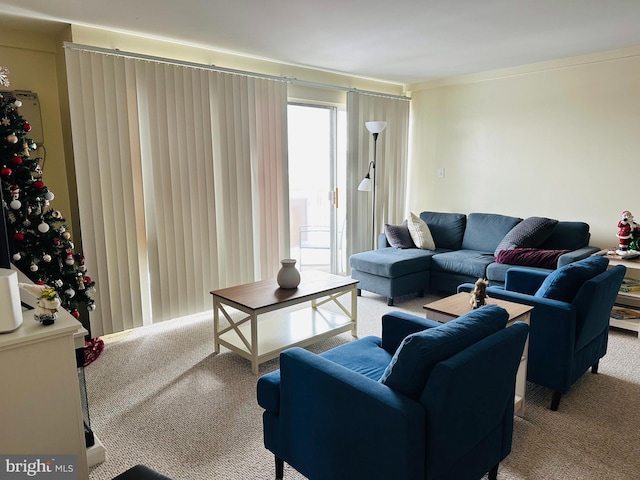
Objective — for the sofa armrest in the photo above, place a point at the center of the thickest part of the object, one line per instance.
(382, 241)
(575, 255)
(398, 325)
(332, 419)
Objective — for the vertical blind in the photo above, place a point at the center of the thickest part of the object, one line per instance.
(182, 181)
(391, 166)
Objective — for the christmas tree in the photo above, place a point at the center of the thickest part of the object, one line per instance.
(39, 240)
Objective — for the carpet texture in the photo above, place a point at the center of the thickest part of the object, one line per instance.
(158, 395)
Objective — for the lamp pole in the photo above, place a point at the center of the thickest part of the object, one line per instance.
(375, 127)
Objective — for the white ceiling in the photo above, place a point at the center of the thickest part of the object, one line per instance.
(399, 41)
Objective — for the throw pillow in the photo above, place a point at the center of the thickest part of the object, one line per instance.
(419, 353)
(531, 257)
(563, 284)
(529, 233)
(398, 236)
(420, 233)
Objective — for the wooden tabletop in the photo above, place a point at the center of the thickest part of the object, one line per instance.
(459, 304)
(265, 293)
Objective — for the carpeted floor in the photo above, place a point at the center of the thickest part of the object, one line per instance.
(159, 396)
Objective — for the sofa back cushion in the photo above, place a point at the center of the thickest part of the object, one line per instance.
(567, 236)
(563, 284)
(420, 352)
(447, 229)
(484, 231)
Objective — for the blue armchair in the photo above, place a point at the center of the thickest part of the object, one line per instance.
(570, 319)
(425, 401)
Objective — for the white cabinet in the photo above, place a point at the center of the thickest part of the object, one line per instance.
(627, 299)
(40, 406)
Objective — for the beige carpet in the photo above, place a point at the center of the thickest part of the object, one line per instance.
(159, 396)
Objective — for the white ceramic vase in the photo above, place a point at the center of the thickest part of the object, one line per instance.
(288, 276)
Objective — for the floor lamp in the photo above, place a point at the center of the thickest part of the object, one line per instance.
(375, 127)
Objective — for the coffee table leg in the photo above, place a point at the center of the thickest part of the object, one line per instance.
(354, 311)
(254, 343)
(216, 325)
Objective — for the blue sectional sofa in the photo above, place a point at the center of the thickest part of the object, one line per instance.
(465, 251)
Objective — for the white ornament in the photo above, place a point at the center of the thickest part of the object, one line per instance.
(15, 204)
(66, 235)
(91, 307)
(43, 227)
(49, 196)
(58, 283)
(33, 267)
(70, 292)
(17, 103)
(12, 138)
(82, 268)
(46, 257)
(17, 256)
(69, 260)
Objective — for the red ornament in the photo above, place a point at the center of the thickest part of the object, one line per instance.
(18, 236)
(75, 313)
(39, 184)
(17, 160)
(87, 279)
(56, 242)
(26, 127)
(5, 172)
(40, 282)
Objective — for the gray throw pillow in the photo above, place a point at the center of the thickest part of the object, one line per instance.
(398, 236)
(529, 233)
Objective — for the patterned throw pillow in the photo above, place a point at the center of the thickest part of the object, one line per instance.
(420, 233)
(398, 236)
(529, 233)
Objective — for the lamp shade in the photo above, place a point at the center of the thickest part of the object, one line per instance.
(365, 184)
(375, 126)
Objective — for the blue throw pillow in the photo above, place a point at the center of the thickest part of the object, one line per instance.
(563, 284)
(419, 353)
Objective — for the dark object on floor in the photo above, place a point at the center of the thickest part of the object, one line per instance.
(92, 350)
(141, 472)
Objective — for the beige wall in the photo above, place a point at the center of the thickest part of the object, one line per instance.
(31, 59)
(560, 139)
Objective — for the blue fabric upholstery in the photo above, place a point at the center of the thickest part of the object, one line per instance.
(563, 283)
(485, 231)
(333, 422)
(420, 352)
(470, 263)
(566, 338)
(447, 229)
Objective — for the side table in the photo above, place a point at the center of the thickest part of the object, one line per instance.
(454, 306)
(627, 299)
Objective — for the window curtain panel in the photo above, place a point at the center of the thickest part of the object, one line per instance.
(181, 175)
(391, 166)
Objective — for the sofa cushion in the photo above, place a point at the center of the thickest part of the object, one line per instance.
(563, 283)
(531, 257)
(530, 232)
(465, 262)
(567, 236)
(398, 236)
(419, 353)
(420, 233)
(447, 229)
(484, 231)
(392, 262)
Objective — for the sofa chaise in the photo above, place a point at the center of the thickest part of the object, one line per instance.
(469, 247)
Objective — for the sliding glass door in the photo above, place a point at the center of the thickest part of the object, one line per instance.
(317, 153)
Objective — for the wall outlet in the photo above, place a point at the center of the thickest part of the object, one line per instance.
(441, 172)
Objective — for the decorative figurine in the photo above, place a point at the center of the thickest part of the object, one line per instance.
(47, 304)
(628, 230)
(479, 294)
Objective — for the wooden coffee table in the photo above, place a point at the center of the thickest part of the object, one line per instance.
(259, 337)
(449, 308)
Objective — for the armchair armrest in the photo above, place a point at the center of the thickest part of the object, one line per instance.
(335, 418)
(398, 325)
(523, 280)
(579, 254)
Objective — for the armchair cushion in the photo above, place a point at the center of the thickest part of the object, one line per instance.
(419, 353)
(563, 284)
